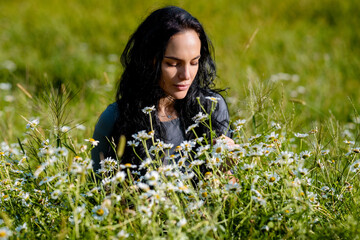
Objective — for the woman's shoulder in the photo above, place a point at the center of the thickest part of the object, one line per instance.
(109, 116)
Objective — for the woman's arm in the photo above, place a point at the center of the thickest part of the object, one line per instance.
(102, 133)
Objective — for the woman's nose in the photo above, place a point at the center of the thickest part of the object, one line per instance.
(185, 73)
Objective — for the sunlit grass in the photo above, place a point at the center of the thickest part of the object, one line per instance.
(292, 71)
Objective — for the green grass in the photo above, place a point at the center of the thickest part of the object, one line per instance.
(73, 48)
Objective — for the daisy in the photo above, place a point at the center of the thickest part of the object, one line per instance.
(100, 212)
(132, 143)
(56, 194)
(5, 233)
(122, 234)
(21, 228)
(92, 141)
(272, 178)
(212, 99)
(119, 177)
(355, 166)
(148, 110)
(32, 124)
(182, 222)
(191, 127)
(200, 117)
(301, 135)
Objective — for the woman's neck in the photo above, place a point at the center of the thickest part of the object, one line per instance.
(166, 109)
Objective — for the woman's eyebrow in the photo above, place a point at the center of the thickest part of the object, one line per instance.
(175, 58)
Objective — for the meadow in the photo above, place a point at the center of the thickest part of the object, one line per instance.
(292, 73)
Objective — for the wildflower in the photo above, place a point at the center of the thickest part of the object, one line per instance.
(21, 161)
(79, 213)
(238, 124)
(145, 210)
(119, 177)
(202, 150)
(61, 151)
(100, 212)
(148, 110)
(349, 142)
(32, 124)
(106, 181)
(312, 197)
(55, 194)
(233, 187)
(301, 135)
(182, 222)
(325, 152)
(286, 157)
(83, 148)
(187, 176)
(195, 205)
(199, 140)
(92, 191)
(275, 125)
(122, 235)
(107, 165)
(80, 127)
(254, 137)
(214, 161)
(191, 127)
(272, 137)
(265, 228)
(355, 150)
(305, 154)
(313, 131)
(127, 165)
(168, 146)
(145, 164)
(248, 167)
(46, 180)
(132, 143)
(213, 99)
(5, 233)
(259, 200)
(182, 162)
(200, 117)
(187, 145)
(5, 86)
(272, 178)
(152, 177)
(303, 171)
(143, 186)
(355, 166)
(39, 169)
(142, 135)
(64, 129)
(113, 197)
(92, 141)
(196, 163)
(182, 187)
(21, 228)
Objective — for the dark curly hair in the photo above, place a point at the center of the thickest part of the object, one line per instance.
(139, 86)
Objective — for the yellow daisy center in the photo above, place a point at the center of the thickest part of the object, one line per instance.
(100, 212)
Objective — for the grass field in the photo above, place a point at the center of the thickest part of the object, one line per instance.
(291, 67)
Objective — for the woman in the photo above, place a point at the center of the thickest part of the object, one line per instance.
(167, 64)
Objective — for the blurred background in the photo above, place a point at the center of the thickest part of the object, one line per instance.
(298, 59)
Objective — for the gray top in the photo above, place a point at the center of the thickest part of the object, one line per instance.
(174, 132)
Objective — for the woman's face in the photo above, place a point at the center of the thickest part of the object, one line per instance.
(180, 64)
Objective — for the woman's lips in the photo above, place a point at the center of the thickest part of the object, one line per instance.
(182, 87)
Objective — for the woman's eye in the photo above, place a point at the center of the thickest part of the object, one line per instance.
(195, 63)
(172, 64)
